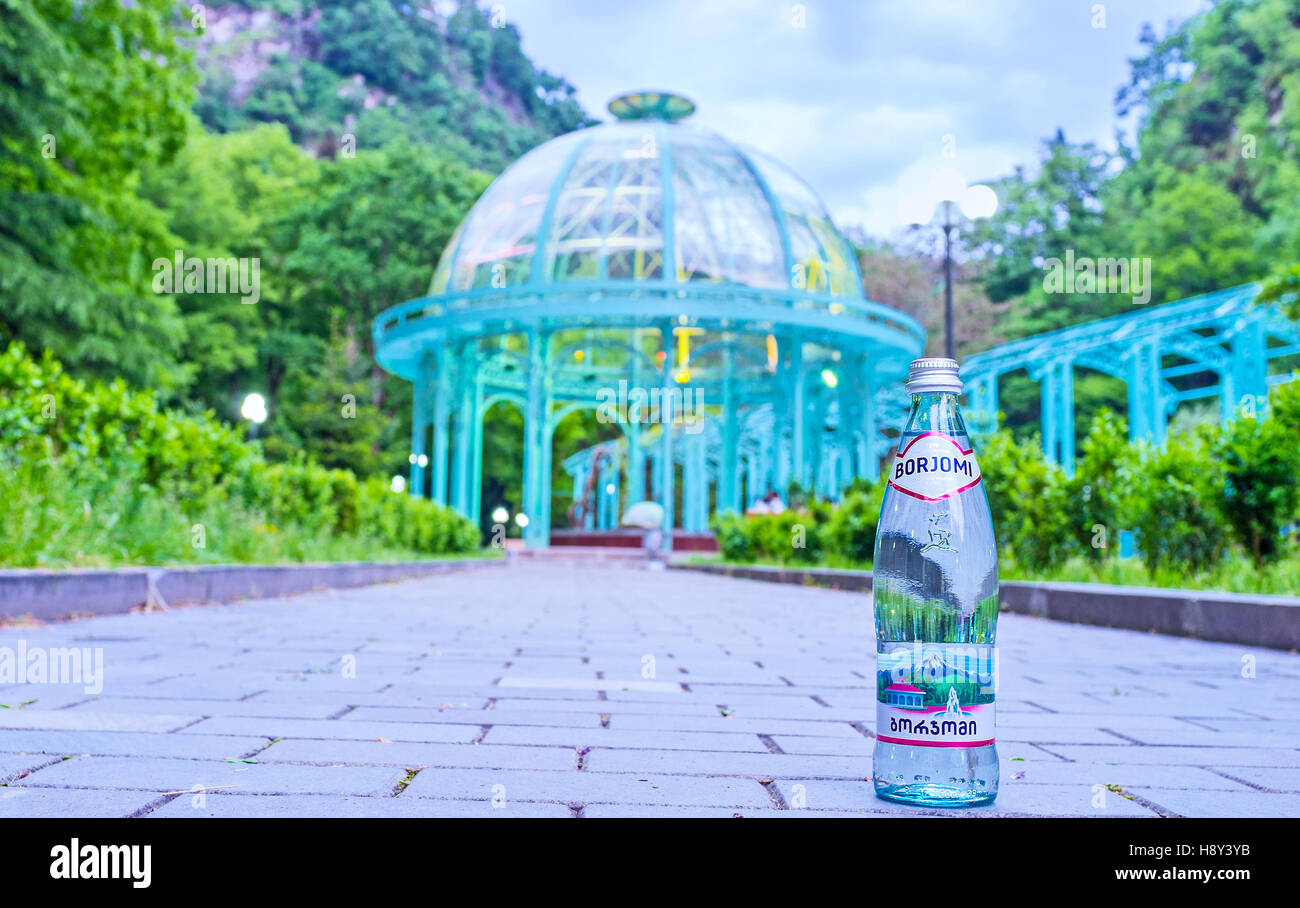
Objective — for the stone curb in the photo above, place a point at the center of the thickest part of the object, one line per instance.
(1245, 618)
(52, 594)
(835, 578)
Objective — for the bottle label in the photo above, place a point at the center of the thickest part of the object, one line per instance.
(933, 467)
(935, 694)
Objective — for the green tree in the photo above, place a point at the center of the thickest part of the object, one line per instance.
(363, 236)
(91, 95)
(1198, 236)
(1259, 460)
(220, 198)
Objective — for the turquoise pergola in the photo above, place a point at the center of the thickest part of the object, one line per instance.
(693, 293)
(1218, 345)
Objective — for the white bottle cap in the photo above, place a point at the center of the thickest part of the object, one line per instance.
(933, 375)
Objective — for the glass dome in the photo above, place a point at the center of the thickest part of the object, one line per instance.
(647, 199)
(629, 269)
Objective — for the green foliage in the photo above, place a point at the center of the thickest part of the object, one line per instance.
(386, 72)
(1190, 504)
(1259, 460)
(1283, 287)
(90, 425)
(1026, 497)
(1172, 511)
(1198, 235)
(734, 540)
(91, 95)
(1040, 215)
(100, 474)
(1095, 496)
(851, 530)
(791, 537)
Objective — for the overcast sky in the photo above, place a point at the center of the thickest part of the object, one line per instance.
(859, 99)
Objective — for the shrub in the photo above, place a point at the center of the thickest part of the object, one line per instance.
(100, 474)
(1028, 499)
(1257, 493)
(1171, 511)
(732, 531)
(851, 530)
(1096, 496)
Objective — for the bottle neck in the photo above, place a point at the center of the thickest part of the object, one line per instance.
(935, 412)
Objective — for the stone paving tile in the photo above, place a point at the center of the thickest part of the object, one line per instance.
(735, 725)
(334, 728)
(807, 744)
(1202, 737)
(15, 766)
(649, 811)
(1250, 726)
(29, 696)
(544, 665)
(204, 708)
(604, 737)
(1126, 776)
(176, 775)
(588, 788)
(220, 804)
(91, 720)
(1027, 800)
(694, 762)
(118, 743)
(72, 802)
(1272, 779)
(1179, 756)
(1223, 803)
(405, 754)
(476, 717)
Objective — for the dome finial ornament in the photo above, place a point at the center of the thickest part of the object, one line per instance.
(652, 105)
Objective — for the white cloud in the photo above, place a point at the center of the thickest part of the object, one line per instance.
(858, 102)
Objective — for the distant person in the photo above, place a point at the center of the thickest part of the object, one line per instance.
(770, 503)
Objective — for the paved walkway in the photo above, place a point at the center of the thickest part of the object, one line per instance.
(564, 690)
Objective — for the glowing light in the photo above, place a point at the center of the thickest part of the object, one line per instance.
(521, 520)
(422, 460)
(500, 515)
(254, 408)
(684, 336)
(610, 488)
(830, 378)
(979, 202)
(398, 484)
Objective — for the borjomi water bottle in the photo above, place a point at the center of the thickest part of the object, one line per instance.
(936, 600)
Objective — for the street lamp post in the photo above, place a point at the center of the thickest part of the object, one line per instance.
(948, 347)
(948, 189)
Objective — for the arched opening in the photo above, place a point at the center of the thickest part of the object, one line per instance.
(1020, 401)
(503, 470)
(577, 431)
(1095, 391)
